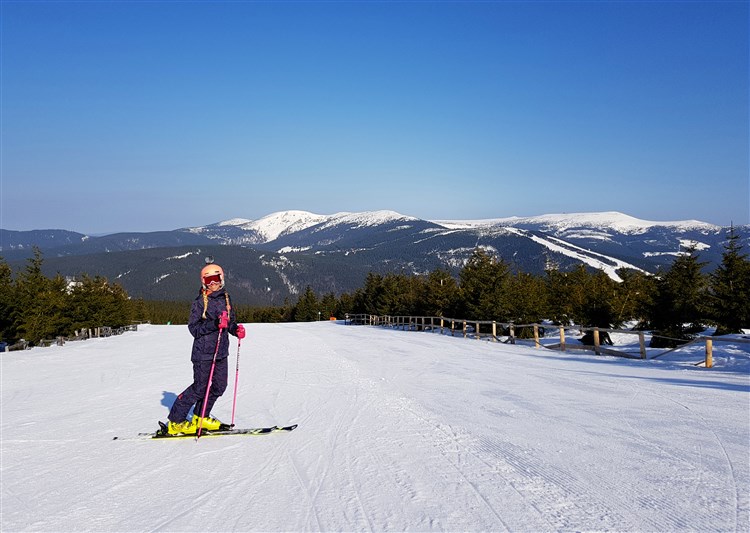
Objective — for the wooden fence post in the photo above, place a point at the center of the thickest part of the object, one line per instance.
(494, 331)
(709, 353)
(642, 343)
(464, 328)
(536, 335)
(512, 333)
(597, 351)
(562, 338)
(477, 331)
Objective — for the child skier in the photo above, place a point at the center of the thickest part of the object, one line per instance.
(211, 315)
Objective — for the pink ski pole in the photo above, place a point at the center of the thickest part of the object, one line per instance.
(236, 379)
(208, 387)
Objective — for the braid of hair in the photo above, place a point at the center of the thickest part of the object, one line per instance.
(205, 302)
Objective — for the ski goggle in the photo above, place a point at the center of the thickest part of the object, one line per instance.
(213, 278)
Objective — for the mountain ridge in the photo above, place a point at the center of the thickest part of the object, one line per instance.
(276, 256)
(280, 222)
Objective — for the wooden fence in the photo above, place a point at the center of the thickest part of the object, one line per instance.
(90, 333)
(507, 332)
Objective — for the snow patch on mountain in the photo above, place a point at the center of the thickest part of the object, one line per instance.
(182, 256)
(235, 222)
(273, 226)
(690, 243)
(608, 265)
(612, 220)
(291, 249)
(279, 264)
(366, 218)
(281, 223)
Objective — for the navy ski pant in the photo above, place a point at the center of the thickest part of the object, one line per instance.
(196, 393)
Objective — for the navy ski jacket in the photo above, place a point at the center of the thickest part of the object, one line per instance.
(206, 331)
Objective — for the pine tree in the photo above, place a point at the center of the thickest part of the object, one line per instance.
(368, 299)
(95, 302)
(41, 311)
(401, 295)
(441, 294)
(596, 307)
(557, 304)
(730, 288)
(634, 296)
(566, 295)
(482, 287)
(7, 303)
(307, 308)
(345, 305)
(527, 298)
(329, 306)
(679, 307)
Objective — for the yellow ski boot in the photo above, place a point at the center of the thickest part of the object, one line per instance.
(209, 424)
(186, 427)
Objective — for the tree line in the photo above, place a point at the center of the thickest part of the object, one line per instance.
(675, 303)
(34, 307)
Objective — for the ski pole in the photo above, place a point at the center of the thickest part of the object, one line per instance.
(236, 379)
(208, 387)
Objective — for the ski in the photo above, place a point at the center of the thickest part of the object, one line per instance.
(162, 434)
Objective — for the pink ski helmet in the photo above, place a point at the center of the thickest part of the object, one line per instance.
(211, 274)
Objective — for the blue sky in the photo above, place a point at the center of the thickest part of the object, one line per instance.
(144, 116)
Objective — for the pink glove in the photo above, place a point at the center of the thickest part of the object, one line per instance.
(240, 331)
(224, 320)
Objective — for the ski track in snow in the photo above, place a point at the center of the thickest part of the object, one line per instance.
(398, 431)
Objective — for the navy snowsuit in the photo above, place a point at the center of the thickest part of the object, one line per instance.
(205, 332)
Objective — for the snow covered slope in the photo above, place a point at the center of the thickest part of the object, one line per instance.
(612, 220)
(397, 431)
(270, 227)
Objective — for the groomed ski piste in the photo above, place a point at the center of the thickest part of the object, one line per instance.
(398, 431)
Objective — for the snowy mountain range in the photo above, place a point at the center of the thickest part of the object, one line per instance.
(278, 255)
